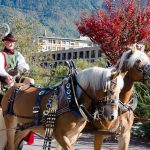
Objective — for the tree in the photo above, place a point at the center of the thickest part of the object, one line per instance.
(116, 26)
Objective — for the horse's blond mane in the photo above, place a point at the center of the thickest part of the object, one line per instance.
(132, 59)
(96, 78)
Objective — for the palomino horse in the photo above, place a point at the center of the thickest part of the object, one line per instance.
(137, 64)
(94, 86)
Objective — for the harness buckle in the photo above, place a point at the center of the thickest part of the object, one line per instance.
(36, 109)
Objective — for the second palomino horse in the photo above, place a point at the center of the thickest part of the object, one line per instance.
(92, 88)
(137, 64)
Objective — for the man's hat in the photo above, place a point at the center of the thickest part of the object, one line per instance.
(9, 37)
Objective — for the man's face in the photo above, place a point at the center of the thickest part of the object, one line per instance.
(9, 44)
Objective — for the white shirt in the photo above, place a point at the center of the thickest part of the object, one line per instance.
(21, 64)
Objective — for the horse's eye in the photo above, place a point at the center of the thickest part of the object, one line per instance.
(111, 92)
(138, 61)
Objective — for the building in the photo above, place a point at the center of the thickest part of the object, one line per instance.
(87, 53)
(56, 50)
(59, 57)
(58, 43)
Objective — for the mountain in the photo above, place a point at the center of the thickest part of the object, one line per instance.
(56, 16)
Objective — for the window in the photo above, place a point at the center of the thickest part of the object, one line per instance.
(99, 53)
(54, 42)
(93, 54)
(72, 43)
(75, 55)
(53, 56)
(50, 41)
(69, 55)
(58, 56)
(87, 54)
(63, 56)
(60, 63)
(81, 55)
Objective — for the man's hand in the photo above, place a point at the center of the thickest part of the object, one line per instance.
(9, 80)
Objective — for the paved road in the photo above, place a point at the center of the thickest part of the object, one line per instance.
(86, 143)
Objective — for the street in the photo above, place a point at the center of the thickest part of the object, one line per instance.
(85, 142)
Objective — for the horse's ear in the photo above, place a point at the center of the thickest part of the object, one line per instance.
(124, 66)
(133, 48)
(142, 48)
(115, 74)
(123, 73)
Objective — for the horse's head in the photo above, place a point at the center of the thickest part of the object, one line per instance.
(102, 87)
(137, 63)
(109, 105)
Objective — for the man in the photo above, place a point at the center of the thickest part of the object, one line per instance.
(11, 62)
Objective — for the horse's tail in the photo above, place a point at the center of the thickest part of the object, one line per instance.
(3, 136)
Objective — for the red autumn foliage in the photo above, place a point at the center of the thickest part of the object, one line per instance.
(119, 25)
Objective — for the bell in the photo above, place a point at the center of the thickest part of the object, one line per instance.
(68, 85)
(48, 105)
(68, 91)
(65, 80)
(45, 112)
(42, 92)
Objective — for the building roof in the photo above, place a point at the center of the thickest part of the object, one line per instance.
(60, 38)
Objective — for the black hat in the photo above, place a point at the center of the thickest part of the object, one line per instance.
(9, 37)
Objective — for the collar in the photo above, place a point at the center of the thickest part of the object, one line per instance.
(8, 51)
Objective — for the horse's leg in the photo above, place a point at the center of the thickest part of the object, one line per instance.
(64, 142)
(73, 140)
(21, 134)
(98, 141)
(124, 140)
(11, 124)
(3, 136)
(58, 146)
(19, 138)
(124, 137)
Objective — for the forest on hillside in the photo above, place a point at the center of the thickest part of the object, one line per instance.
(56, 16)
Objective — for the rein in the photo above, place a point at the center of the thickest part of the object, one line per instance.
(82, 109)
(131, 105)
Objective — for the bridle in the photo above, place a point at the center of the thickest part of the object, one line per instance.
(142, 69)
(106, 100)
(98, 104)
(145, 70)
